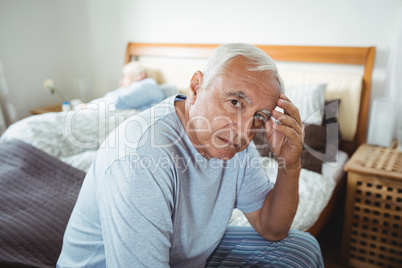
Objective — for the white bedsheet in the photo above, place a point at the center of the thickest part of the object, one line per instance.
(314, 193)
(75, 137)
(335, 169)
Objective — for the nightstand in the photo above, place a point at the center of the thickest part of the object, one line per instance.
(48, 109)
(372, 233)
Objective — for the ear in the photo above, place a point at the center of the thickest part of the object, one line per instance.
(195, 86)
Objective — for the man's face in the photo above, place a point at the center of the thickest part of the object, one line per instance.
(225, 116)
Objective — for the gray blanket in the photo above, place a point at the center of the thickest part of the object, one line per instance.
(37, 195)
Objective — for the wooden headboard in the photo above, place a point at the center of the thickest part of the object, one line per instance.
(363, 56)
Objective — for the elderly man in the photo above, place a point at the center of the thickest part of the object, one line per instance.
(163, 186)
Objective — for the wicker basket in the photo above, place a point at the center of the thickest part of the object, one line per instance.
(372, 235)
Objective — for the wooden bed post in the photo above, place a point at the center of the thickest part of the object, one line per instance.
(361, 133)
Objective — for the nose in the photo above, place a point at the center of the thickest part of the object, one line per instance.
(242, 125)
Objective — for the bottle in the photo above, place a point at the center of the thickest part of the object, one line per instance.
(65, 107)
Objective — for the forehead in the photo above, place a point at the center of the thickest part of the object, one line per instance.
(255, 87)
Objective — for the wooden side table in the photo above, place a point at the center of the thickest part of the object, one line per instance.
(372, 234)
(48, 109)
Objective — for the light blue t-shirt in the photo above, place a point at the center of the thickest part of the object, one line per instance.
(139, 95)
(151, 200)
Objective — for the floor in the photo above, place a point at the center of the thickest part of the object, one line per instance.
(330, 239)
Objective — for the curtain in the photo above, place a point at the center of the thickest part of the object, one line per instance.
(3, 125)
(3, 95)
(393, 83)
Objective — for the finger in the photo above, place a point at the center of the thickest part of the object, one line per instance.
(290, 133)
(276, 141)
(283, 96)
(289, 108)
(270, 132)
(269, 127)
(288, 121)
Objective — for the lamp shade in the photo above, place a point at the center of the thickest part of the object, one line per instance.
(382, 122)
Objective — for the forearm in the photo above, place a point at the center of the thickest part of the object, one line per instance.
(275, 217)
(280, 205)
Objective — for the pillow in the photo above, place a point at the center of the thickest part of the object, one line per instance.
(169, 89)
(331, 112)
(309, 99)
(333, 133)
(314, 148)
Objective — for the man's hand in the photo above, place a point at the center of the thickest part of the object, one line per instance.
(274, 219)
(286, 138)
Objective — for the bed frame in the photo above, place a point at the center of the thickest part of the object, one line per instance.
(363, 56)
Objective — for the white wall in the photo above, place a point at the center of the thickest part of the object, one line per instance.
(86, 39)
(29, 51)
(107, 45)
(286, 22)
(75, 35)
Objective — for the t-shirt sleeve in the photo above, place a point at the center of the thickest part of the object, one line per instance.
(135, 205)
(255, 185)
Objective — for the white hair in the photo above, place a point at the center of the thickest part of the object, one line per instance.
(133, 68)
(257, 58)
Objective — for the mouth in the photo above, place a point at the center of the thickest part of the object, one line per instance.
(229, 143)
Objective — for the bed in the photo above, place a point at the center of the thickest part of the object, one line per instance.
(44, 158)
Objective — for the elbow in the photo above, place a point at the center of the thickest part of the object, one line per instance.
(275, 233)
(274, 237)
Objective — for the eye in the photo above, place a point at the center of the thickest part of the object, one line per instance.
(236, 103)
(259, 117)
(259, 120)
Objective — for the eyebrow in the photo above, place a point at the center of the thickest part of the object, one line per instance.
(267, 113)
(240, 95)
